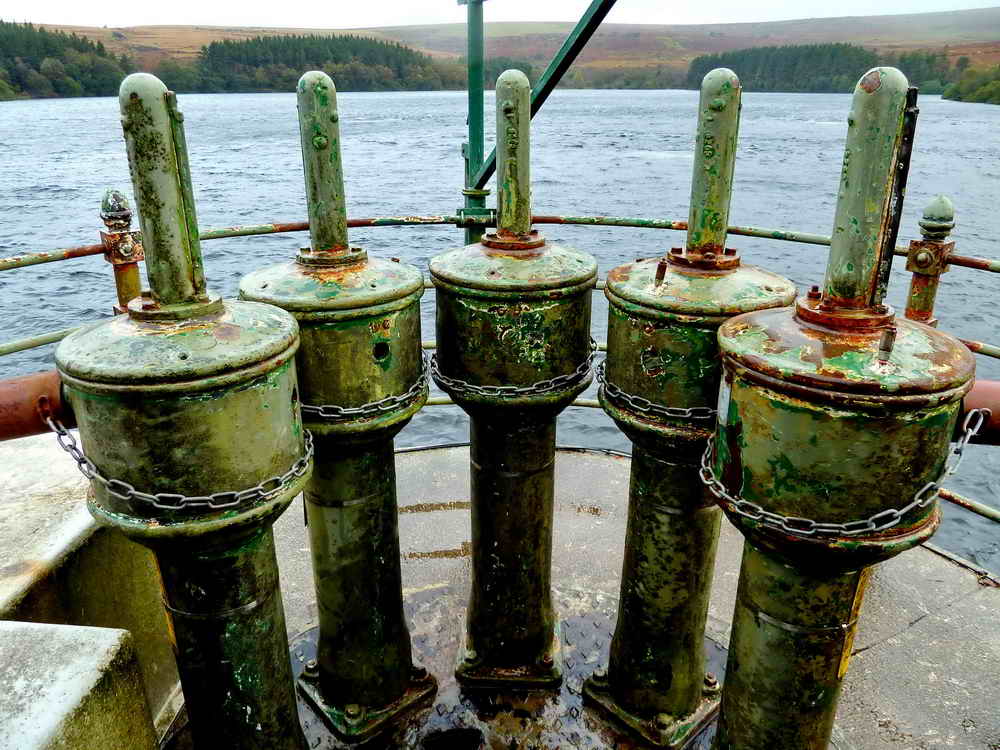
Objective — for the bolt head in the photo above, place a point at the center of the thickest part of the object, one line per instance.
(352, 710)
(662, 722)
(924, 259)
(711, 680)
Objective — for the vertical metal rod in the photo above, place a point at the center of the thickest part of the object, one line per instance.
(319, 130)
(564, 58)
(861, 223)
(475, 198)
(793, 630)
(120, 247)
(513, 154)
(161, 179)
(714, 161)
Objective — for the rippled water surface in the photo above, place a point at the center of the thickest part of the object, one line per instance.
(621, 153)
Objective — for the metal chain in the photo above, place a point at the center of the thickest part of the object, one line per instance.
(644, 405)
(333, 413)
(454, 385)
(172, 501)
(884, 519)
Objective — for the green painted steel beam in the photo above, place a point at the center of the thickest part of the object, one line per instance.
(564, 58)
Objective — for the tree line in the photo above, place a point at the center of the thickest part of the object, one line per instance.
(36, 62)
(274, 63)
(976, 86)
(826, 68)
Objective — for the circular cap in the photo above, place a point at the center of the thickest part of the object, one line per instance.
(126, 351)
(778, 344)
(695, 292)
(308, 288)
(478, 267)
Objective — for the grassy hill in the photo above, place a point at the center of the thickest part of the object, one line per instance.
(972, 33)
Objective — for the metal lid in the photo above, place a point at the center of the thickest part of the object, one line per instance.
(778, 344)
(310, 288)
(549, 267)
(128, 351)
(694, 292)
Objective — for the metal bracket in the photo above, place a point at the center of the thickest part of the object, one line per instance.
(928, 257)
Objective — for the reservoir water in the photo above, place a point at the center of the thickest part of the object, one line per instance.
(614, 153)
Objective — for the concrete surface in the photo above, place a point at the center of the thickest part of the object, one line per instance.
(70, 688)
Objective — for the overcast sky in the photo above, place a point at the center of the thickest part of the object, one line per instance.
(353, 14)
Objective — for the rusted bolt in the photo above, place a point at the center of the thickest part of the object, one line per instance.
(814, 292)
(923, 259)
(352, 711)
(882, 310)
(709, 256)
(711, 681)
(320, 142)
(886, 343)
(661, 271)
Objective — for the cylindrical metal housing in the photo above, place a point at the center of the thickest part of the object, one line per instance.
(513, 333)
(834, 424)
(362, 378)
(660, 386)
(661, 383)
(189, 419)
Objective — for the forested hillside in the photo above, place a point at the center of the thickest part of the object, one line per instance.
(822, 67)
(976, 86)
(36, 62)
(274, 63)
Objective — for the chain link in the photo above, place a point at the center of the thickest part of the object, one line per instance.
(171, 501)
(884, 519)
(333, 413)
(644, 405)
(454, 385)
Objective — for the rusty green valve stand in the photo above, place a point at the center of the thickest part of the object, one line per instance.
(833, 437)
(362, 378)
(513, 333)
(661, 381)
(191, 434)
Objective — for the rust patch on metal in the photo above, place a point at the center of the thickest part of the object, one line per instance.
(432, 507)
(872, 81)
(464, 551)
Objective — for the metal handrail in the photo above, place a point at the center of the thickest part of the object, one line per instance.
(784, 235)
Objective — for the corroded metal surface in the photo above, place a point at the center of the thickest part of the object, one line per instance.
(715, 158)
(195, 398)
(364, 312)
(512, 312)
(474, 719)
(25, 400)
(833, 433)
(874, 130)
(928, 259)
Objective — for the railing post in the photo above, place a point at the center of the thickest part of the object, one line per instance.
(361, 379)
(122, 248)
(661, 384)
(193, 440)
(928, 259)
